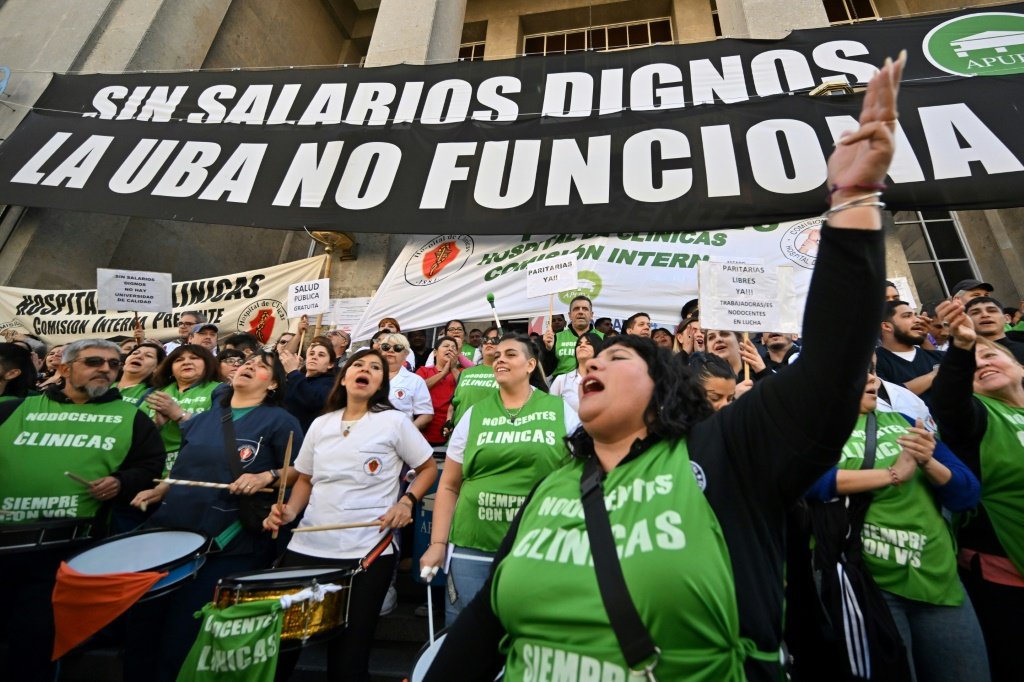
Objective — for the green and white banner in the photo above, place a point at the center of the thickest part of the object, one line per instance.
(449, 276)
(240, 642)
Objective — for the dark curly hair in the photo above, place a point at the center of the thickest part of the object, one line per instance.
(378, 402)
(677, 403)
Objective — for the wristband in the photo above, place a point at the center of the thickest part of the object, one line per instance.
(874, 186)
(275, 475)
(412, 498)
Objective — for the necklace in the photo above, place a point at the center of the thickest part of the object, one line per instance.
(347, 426)
(513, 414)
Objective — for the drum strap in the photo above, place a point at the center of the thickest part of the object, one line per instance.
(635, 641)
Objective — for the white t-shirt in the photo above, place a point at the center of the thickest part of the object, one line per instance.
(355, 478)
(409, 394)
(905, 402)
(567, 387)
(457, 442)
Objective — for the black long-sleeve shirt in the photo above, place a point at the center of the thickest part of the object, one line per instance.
(962, 420)
(758, 455)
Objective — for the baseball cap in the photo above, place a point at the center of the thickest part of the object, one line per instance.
(968, 284)
(204, 326)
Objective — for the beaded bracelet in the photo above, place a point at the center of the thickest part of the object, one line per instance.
(877, 186)
(895, 478)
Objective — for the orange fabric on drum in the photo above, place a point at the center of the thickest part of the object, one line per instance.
(84, 604)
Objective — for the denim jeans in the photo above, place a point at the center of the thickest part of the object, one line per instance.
(944, 643)
(467, 573)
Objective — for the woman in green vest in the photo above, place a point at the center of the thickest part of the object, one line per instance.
(696, 501)
(136, 382)
(978, 403)
(907, 545)
(504, 444)
(185, 382)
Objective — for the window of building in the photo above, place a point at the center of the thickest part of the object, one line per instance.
(601, 38)
(471, 52)
(936, 251)
(850, 11)
(714, 18)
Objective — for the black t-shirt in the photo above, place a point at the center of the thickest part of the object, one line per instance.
(892, 367)
(1015, 347)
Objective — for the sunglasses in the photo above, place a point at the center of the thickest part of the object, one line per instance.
(99, 362)
(397, 347)
(491, 340)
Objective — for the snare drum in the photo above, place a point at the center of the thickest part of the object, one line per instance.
(27, 537)
(301, 620)
(180, 553)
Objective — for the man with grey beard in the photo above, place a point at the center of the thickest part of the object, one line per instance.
(84, 428)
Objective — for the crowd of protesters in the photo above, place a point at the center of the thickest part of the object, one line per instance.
(907, 427)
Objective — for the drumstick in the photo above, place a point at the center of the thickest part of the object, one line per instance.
(284, 476)
(337, 526)
(746, 366)
(204, 484)
(78, 479)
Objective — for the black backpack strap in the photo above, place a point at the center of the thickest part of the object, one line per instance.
(870, 441)
(637, 646)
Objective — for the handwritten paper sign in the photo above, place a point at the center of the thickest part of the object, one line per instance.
(309, 298)
(550, 276)
(133, 290)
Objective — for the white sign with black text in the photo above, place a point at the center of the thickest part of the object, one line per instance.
(551, 276)
(748, 297)
(133, 290)
(309, 298)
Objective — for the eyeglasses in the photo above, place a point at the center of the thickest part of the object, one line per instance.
(183, 323)
(232, 361)
(491, 340)
(455, 329)
(397, 347)
(95, 361)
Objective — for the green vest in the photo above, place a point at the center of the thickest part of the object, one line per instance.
(194, 399)
(674, 560)
(565, 349)
(908, 546)
(475, 384)
(44, 438)
(1002, 475)
(502, 463)
(134, 396)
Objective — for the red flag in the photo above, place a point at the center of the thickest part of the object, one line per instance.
(84, 604)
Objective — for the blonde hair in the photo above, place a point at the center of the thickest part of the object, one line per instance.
(394, 339)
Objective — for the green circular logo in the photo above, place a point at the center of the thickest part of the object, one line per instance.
(589, 286)
(984, 44)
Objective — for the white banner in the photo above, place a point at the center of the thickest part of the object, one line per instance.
(346, 312)
(449, 276)
(252, 301)
(748, 297)
(551, 276)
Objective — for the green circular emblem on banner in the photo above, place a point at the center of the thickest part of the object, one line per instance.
(984, 44)
(589, 286)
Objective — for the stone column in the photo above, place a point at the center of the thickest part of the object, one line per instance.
(416, 32)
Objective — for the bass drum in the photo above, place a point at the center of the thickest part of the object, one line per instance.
(180, 553)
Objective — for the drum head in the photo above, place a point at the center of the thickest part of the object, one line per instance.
(298, 574)
(426, 658)
(136, 552)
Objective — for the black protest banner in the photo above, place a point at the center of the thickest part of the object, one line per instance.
(706, 136)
